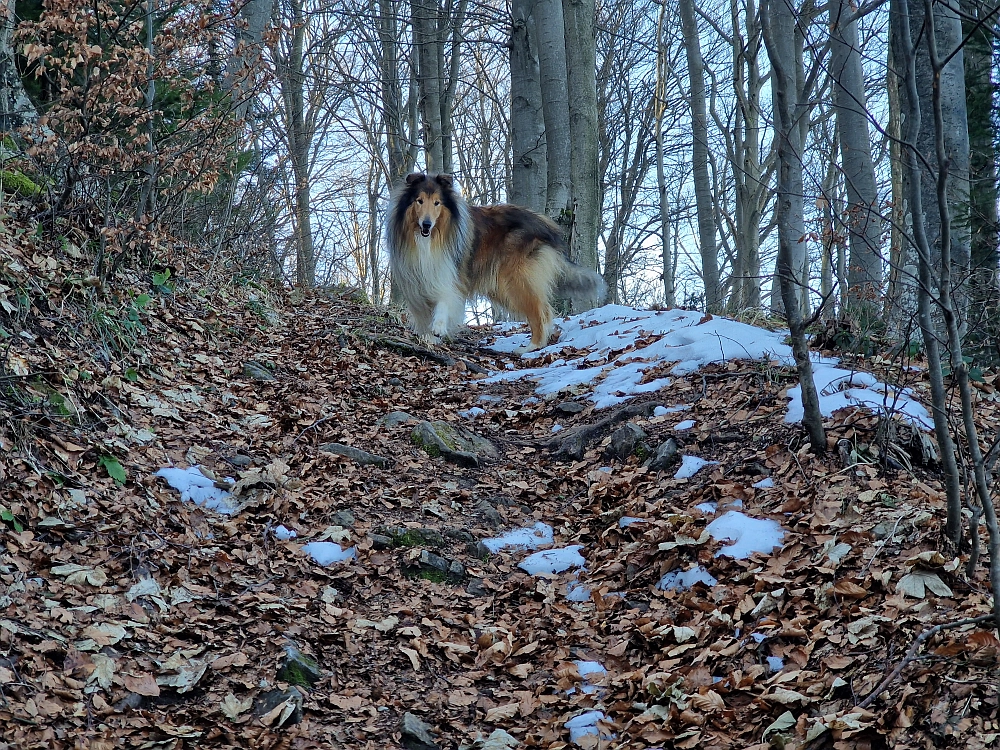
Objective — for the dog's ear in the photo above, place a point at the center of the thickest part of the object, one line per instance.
(446, 181)
(414, 177)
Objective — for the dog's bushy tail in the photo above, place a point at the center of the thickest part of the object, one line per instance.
(581, 286)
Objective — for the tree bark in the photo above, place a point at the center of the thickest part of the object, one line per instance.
(863, 221)
(581, 66)
(783, 59)
(16, 108)
(699, 159)
(457, 22)
(555, 109)
(246, 54)
(429, 57)
(391, 91)
(528, 170)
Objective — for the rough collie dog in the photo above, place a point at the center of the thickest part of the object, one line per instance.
(443, 252)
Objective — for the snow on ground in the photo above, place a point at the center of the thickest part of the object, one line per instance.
(764, 484)
(283, 534)
(611, 363)
(625, 521)
(589, 671)
(553, 560)
(748, 535)
(196, 488)
(687, 424)
(532, 537)
(584, 724)
(328, 553)
(678, 580)
(691, 465)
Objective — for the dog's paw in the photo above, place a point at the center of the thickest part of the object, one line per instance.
(429, 339)
(439, 328)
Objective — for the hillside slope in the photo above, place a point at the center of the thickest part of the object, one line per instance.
(129, 617)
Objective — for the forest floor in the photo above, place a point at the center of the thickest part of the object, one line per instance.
(131, 618)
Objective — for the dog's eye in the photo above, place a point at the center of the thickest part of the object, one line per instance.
(420, 201)
(437, 203)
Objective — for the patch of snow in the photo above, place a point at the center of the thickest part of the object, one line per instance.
(586, 669)
(625, 521)
(613, 365)
(678, 580)
(687, 424)
(577, 592)
(553, 560)
(196, 488)
(487, 398)
(328, 553)
(605, 469)
(472, 413)
(748, 535)
(775, 663)
(758, 637)
(531, 537)
(690, 466)
(707, 508)
(585, 724)
(284, 534)
(764, 484)
(557, 427)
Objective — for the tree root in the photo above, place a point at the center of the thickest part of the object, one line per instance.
(573, 442)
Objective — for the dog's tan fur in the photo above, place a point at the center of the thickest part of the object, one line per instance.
(443, 252)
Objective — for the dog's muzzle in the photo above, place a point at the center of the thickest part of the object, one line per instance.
(425, 229)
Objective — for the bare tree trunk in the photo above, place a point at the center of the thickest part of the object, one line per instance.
(528, 172)
(457, 21)
(699, 158)
(581, 66)
(16, 108)
(660, 103)
(246, 54)
(555, 109)
(788, 52)
(898, 284)
(863, 221)
(906, 59)
(748, 175)
(782, 56)
(291, 78)
(393, 115)
(427, 43)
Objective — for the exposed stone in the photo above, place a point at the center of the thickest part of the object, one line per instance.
(355, 454)
(476, 588)
(380, 541)
(430, 560)
(240, 460)
(416, 734)
(456, 444)
(489, 514)
(299, 669)
(291, 697)
(626, 440)
(459, 535)
(343, 518)
(570, 407)
(666, 455)
(396, 418)
(395, 381)
(256, 371)
(418, 537)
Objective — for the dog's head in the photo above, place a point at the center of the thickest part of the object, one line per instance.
(429, 199)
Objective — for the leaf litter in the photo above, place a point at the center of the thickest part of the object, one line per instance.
(129, 617)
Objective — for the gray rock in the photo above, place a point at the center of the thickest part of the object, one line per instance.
(489, 514)
(416, 734)
(455, 444)
(240, 460)
(570, 407)
(476, 588)
(666, 455)
(459, 535)
(343, 518)
(299, 669)
(380, 541)
(430, 560)
(267, 702)
(256, 371)
(395, 381)
(626, 440)
(355, 454)
(456, 569)
(396, 418)
(419, 537)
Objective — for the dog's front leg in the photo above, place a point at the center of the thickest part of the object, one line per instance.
(444, 312)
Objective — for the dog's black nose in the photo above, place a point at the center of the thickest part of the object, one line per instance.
(427, 226)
